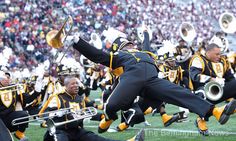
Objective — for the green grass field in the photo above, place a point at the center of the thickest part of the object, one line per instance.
(157, 132)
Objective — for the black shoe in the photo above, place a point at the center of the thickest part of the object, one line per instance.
(182, 117)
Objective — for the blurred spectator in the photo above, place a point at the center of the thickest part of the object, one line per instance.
(24, 24)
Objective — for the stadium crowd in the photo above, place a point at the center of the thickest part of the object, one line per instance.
(24, 24)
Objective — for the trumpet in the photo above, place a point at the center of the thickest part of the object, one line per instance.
(81, 114)
(41, 116)
(227, 22)
(12, 88)
(213, 91)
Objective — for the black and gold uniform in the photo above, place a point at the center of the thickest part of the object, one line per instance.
(202, 70)
(74, 130)
(9, 102)
(207, 67)
(172, 74)
(140, 73)
(142, 107)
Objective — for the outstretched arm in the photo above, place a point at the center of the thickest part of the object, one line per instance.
(92, 53)
(146, 42)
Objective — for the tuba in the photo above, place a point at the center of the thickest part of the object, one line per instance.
(213, 91)
(187, 31)
(227, 22)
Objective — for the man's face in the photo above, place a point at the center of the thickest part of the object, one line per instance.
(214, 55)
(73, 86)
(5, 82)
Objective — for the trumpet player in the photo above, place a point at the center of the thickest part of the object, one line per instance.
(211, 66)
(11, 105)
(74, 130)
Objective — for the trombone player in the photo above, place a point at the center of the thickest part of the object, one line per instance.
(211, 67)
(74, 130)
(11, 102)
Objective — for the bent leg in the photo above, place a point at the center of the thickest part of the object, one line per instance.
(166, 91)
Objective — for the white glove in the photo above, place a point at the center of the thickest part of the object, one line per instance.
(178, 57)
(38, 84)
(219, 80)
(56, 114)
(70, 40)
(161, 75)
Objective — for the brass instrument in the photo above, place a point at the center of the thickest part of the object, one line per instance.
(12, 88)
(81, 114)
(227, 22)
(213, 91)
(187, 31)
(54, 37)
(41, 116)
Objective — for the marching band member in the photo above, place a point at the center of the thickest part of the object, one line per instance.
(11, 106)
(74, 130)
(211, 67)
(140, 73)
(142, 106)
(174, 73)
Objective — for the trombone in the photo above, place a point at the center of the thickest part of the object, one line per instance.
(12, 88)
(55, 38)
(41, 116)
(81, 114)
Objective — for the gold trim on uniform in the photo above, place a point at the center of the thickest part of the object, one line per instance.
(6, 98)
(75, 107)
(172, 75)
(111, 60)
(118, 71)
(218, 69)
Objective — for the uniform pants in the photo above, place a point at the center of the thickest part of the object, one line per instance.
(13, 115)
(74, 135)
(142, 77)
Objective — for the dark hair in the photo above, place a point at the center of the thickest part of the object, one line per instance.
(68, 79)
(211, 46)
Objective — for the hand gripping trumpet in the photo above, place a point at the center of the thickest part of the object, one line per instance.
(80, 114)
